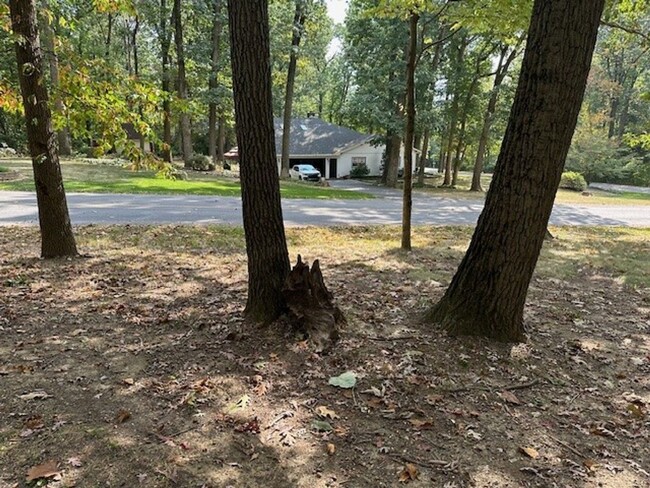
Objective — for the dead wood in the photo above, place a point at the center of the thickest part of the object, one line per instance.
(311, 307)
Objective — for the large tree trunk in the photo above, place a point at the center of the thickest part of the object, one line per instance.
(487, 295)
(165, 45)
(213, 116)
(185, 124)
(423, 156)
(57, 238)
(298, 24)
(266, 245)
(407, 203)
(62, 135)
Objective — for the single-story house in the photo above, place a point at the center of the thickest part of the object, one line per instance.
(134, 136)
(331, 149)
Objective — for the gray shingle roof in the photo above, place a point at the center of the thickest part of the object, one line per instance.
(313, 136)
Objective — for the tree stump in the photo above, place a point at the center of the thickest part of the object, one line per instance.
(311, 307)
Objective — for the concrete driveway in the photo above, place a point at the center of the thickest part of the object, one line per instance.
(85, 208)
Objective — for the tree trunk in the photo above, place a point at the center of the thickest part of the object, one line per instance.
(221, 139)
(57, 238)
(165, 44)
(298, 24)
(266, 245)
(487, 295)
(107, 43)
(62, 135)
(392, 160)
(185, 124)
(423, 156)
(407, 203)
(213, 83)
(451, 137)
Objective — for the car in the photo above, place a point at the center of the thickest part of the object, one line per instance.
(304, 172)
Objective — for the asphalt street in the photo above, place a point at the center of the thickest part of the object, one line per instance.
(85, 208)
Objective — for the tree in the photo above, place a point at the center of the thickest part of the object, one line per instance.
(215, 134)
(57, 238)
(186, 128)
(407, 204)
(487, 295)
(165, 44)
(266, 245)
(298, 25)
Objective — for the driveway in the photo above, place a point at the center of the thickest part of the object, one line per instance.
(86, 208)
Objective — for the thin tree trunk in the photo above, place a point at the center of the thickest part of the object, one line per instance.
(451, 137)
(109, 35)
(185, 124)
(165, 45)
(407, 203)
(213, 116)
(221, 139)
(487, 295)
(62, 135)
(298, 24)
(266, 245)
(423, 156)
(57, 238)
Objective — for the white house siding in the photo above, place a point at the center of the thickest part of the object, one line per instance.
(371, 153)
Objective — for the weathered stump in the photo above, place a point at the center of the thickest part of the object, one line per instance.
(311, 306)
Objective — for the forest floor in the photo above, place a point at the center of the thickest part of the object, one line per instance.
(132, 367)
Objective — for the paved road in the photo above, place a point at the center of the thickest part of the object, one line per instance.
(20, 208)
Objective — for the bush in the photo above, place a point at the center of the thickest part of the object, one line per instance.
(359, 170)
(199, 162)
(573, 181)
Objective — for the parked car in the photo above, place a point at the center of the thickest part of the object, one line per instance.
(304, 172)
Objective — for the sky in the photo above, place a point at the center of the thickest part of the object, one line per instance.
(336, 9)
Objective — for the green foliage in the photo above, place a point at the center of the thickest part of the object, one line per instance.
(359, 171)
(200, 162)
(573, 181)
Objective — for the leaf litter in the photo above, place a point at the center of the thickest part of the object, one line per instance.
(150, 325)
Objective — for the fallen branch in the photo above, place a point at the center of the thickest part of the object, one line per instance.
(432, 464)
(567, 446)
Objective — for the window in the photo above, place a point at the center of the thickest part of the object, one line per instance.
(358, 161)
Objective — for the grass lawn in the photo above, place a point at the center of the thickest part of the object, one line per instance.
(596, 197)
(133, 366)
(93, 177)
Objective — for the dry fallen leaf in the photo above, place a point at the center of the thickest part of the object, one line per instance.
(530, 452)
(590, 464)
(35, 395)
(510, 397)
(326, 413)
(421, 424)
(45, 470)
(34, 422)
(75, 462)
(409, 473)
(122, 416)
(128, 381)
(331, 448)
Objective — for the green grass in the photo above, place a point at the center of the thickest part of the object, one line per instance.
(4, 169)
(92, 177)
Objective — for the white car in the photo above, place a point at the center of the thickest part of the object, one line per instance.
(304, 172)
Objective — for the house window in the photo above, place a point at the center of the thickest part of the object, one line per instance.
(358, 161)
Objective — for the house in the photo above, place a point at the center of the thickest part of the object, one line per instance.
(332, 149)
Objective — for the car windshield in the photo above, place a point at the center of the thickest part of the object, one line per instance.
(306, 167)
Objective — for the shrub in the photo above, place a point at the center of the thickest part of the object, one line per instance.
(359, 171)
(200, 162)
(4, 170)
(573, 181)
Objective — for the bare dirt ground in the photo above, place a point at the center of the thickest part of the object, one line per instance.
(132, 367)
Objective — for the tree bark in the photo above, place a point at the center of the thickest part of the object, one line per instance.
(266, 245)
(213, 84)
(62, 135)
(298, 25)
(487, 295)
(423, 156)
(407, 201)
(185, 124)
(165, 45)
(57, 238)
